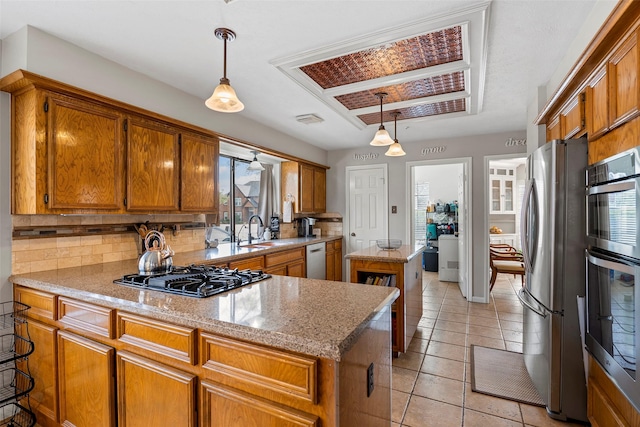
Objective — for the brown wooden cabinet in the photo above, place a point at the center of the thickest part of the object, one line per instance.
(250, 263)
(334, 260)
(43, 365)
(154, 394)
(153, 158)
(67, 154)
(597, 104)
(286, 263)
(624, 90)
(307, 184)
(87, 382)
(553, 129)
(572, 122)
(198, 173)
(407, 309)
(78, 152)
(606, 405)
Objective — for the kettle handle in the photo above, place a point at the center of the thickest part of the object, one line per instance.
(154, 234)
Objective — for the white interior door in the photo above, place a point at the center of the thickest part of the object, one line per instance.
(462, 232)
(367, 205)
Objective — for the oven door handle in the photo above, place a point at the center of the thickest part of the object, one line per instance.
(600, 261)
(540, 311)
(615, 187)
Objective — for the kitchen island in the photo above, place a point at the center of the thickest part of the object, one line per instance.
(284, 351)
(400, 268)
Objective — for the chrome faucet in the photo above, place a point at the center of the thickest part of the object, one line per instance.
(249, 225)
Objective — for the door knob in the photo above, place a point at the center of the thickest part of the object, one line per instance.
(353, 234)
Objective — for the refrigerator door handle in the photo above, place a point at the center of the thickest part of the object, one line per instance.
(540, 311)
(524, 224)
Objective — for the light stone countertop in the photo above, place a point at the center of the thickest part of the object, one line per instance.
(403, 254)
(226, 252)
(315, 317)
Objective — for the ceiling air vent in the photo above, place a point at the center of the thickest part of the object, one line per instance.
(309, 118)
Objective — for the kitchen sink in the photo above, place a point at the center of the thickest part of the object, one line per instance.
(263, 245)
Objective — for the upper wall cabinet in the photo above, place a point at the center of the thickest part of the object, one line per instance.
(307, 184)
(597, 104)
(623, 82)
(153, 159)
(77, 152)
(67, 155)
(572, 123)
(198, 172)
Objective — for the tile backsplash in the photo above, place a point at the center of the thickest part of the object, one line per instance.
(50, 253)
(31, 255)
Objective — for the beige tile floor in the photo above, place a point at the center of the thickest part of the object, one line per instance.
(431, 381)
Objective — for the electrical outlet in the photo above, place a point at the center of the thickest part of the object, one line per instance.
(370, 380)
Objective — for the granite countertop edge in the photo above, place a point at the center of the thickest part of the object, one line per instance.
(332, 349)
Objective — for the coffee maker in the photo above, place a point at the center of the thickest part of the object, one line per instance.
(305, 228)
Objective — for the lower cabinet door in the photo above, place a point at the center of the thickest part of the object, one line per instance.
(153, 394)
(41, 364)
(296, 269)
(223, 406)
(87, 382)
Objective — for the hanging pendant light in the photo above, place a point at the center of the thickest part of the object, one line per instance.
(381, 137)
(224, 98)
(255, 164)
(395, 149)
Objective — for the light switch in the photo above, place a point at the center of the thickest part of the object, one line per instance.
(394, 209)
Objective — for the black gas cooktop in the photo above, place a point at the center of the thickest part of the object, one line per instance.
(199, 281)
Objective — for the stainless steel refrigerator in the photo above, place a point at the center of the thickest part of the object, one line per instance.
(553, 244)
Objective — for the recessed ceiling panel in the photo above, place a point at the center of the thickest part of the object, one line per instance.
(417, 111)
(426, 50)
(437, 85)
(430, 67)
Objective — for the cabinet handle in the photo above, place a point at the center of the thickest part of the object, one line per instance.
(353, 234)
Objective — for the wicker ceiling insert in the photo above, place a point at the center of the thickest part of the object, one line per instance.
(427, 50)
(431, 86)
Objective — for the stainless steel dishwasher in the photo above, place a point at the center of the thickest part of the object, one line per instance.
(316, 261)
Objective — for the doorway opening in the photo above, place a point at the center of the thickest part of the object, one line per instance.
(505, 179)
(440, 217)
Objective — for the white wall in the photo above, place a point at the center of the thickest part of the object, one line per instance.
(476, 147)
(600, 12)
(57, 59)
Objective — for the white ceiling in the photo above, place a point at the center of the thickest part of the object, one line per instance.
(173, 41)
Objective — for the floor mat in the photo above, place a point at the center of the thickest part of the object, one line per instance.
(502, 374)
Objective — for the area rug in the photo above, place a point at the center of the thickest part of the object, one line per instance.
(502, 374)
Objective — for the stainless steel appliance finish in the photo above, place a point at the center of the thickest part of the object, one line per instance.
(316, 261)
(612, 303)
(305, 228)
(553, 242)
(613, 204)
(199, 281)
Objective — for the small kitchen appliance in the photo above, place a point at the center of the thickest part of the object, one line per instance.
(199, 281)
(305, 229)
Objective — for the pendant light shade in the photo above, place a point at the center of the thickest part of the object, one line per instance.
(224, 98)
(255, 164)
(381, 137)
(395, 149)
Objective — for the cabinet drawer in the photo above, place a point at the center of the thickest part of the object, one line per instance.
(86, 317)
(225, 406)
(173, 341)
(284, 257)
(43, 305)
(260, 368)
(251, 263)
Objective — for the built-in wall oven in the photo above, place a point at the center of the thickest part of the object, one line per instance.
(612, 267)
(613, 204)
